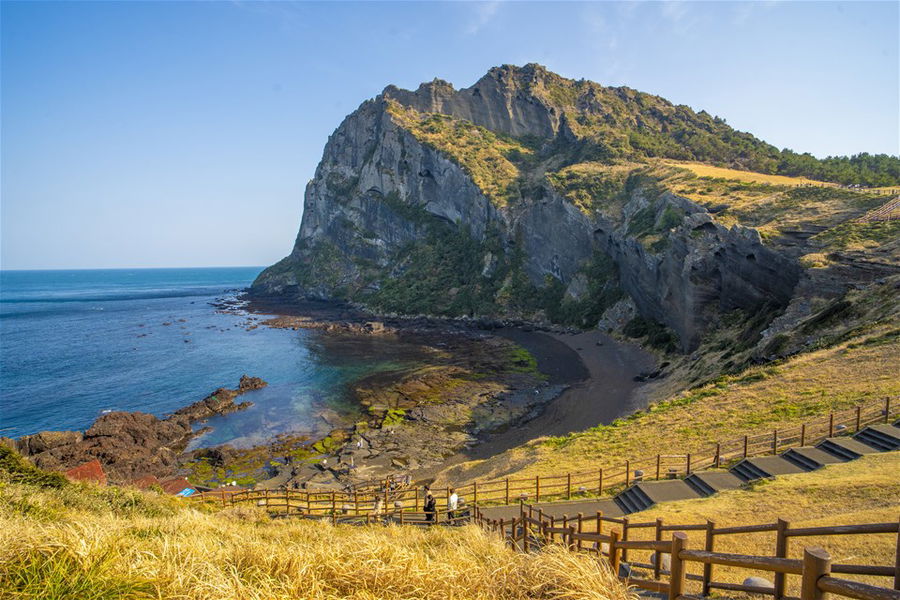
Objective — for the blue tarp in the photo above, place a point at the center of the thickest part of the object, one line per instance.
(186, 492)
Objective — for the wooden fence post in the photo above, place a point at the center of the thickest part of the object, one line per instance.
(503, 529)
(474, 491)
(897, 564)
(627, 473)
(657, 466)
(718, 454)
(774, 441)
(657, 554)
(858, 415)
(707, 568)
(580, 528)
(831, 425)
(781, 547)
(568, 486)
(676, 577)
(613, 552)
(816, 564)
(746, 439)
(599, 524)
(802, 435)
(687, 469)
(571, 539)
(887, 409)
(625, 538)
(537, 488)
(507, 490)
(600, 483)
(552, 525)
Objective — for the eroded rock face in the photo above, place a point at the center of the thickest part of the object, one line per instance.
(703, 268)
(376, 179)
(131, 444)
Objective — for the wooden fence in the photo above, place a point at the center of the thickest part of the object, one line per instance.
(532, 529)
(584, 484)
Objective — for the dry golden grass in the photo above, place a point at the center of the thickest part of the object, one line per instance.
(54, 549)
(753, 402)
(704, 170)
(862, 491)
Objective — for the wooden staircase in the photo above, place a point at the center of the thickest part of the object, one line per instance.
(873, 439)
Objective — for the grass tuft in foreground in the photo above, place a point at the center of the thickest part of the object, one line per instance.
(78, 542)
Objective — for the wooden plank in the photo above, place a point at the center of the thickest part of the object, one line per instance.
(737, 587)
(863, 570)
(844, 529)
(683, 528)
(649, 584)
(763, 563)
(746, 529)
(855, 589)
(592, 537)
(662, 546)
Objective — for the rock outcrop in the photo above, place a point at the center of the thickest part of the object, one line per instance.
(395, 199)
(131, 444)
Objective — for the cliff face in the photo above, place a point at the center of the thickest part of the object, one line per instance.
(439, 201)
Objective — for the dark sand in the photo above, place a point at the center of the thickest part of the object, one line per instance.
(601, 380)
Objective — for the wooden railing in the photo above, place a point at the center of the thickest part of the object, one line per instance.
(888, 211)
(583, 484)
(532, 529)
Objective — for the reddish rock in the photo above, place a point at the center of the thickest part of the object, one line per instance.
(89, 471)
(173, 486)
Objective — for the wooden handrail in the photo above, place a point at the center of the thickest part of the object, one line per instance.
(763, 563)
(855, 589)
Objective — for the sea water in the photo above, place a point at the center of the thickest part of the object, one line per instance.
(76, 344)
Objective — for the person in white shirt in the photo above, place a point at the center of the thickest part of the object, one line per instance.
(452, 505)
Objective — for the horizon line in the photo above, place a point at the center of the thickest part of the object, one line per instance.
(5, 270)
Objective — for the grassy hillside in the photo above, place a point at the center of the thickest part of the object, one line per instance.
(754, 401)
(619, 122)
(64, 541)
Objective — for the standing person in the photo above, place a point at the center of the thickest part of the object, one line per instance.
(430, 508)
(452, 505)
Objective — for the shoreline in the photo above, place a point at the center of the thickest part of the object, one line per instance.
(595, 377)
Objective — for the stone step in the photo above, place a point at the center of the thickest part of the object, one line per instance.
(810, 457)
(881, 437)
(646, 494)
(633, 499)
(775, 465)
(747, 471)
(707, 483)
(846, 448)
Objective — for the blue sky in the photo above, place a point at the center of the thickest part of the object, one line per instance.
(145, 134)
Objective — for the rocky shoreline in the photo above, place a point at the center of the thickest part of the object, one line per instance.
(477, 390)
(131, 445)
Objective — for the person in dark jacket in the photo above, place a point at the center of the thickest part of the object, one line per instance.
(430, 508)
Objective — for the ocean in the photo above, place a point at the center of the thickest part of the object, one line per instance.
(75, 344)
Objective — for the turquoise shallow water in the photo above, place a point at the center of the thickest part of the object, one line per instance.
(76, 343)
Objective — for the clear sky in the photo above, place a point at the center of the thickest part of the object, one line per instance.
(141, 134)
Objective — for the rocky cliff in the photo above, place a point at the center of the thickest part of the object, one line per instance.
(526, 194)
